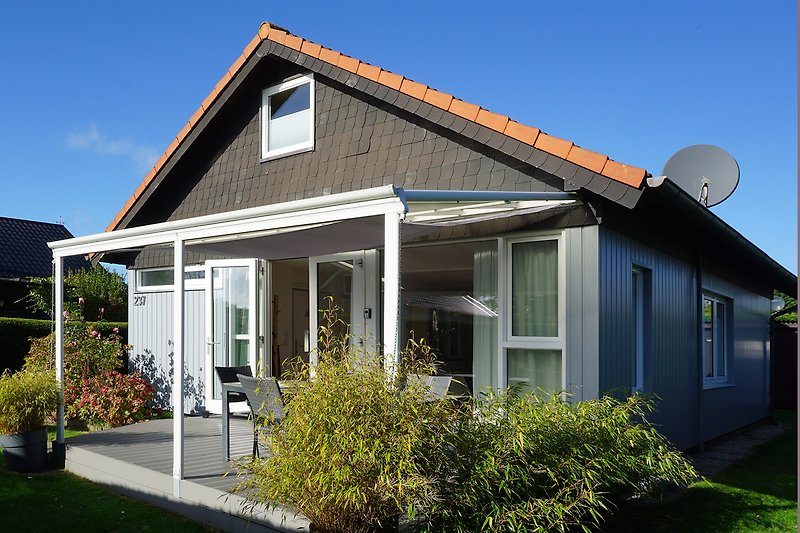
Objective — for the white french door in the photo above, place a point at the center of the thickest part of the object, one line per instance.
(344, 278)
(231, 321)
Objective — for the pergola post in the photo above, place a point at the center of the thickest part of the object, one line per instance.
(177, 374)
(59, 448)
(391, 290)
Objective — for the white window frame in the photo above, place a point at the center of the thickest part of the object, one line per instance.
(305, 146)
(188, 284)
(508, 341)
(719, 342)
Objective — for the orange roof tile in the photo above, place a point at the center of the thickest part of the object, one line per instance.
(521, 132)
(587, 159)
(599, 163)
(553, 145)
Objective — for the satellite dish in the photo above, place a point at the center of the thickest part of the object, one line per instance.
(706, 172)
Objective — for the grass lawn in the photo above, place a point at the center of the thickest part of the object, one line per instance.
(60, 501)
(758, 493)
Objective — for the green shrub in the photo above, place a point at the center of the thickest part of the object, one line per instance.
(104, 294)
(27, 398)
(15, 339)
(17, 336)
(527, 464)
(347, 454)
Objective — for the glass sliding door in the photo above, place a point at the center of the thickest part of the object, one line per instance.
(230, 321)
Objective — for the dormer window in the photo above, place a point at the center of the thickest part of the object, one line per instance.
(287, 118)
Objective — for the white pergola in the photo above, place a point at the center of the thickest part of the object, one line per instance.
(291, 224)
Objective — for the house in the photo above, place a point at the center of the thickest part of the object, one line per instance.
(24, 254)
(522, 258)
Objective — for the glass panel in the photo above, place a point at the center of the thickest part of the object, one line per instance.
(335, 280)
(535, 370)
(449, 298)
(231, 318)
(152, 278)
(708, 338)
(719, 339)
(194, 274)
(534, 289)
(290, 114)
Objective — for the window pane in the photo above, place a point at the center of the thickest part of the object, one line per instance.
(535, 370)
(151, 278)
(534, 289)
(290, 101)
(449, 298)
(708, 338)
(719, 339)
(289, 122)
(194, 274)
(335, 287)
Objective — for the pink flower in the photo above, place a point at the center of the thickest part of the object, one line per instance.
(94, 333)
(102, 310)
(66, 315)
(116, 330)
(81, 300)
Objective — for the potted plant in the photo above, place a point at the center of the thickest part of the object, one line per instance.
(27, 398)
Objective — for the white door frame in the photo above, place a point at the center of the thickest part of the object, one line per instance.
(215, 405)
(360, 327)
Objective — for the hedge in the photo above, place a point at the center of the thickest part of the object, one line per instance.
(15, 335)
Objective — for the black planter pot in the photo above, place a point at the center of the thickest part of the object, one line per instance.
(26, 452)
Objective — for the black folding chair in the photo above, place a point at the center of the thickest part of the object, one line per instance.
(227, 374)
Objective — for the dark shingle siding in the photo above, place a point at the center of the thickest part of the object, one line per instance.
(24, 251)
(358, 144)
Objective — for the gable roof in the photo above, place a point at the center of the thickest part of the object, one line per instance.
(593, 162)
(24, 251)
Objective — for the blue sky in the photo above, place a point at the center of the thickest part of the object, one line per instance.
(93, 92)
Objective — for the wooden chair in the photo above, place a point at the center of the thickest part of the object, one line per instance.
(266, 403)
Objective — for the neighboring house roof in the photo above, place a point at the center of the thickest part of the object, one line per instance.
(594, 162)
(24, 251)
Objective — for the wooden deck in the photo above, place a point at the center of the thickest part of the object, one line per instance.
(137, 460)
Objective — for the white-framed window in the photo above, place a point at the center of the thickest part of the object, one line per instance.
(161, 279)
(287, 117)
(533, 343)
(715, 339)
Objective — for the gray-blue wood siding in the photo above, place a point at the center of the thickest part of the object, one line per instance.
(150, 337)
(582, 320)
(670, 365)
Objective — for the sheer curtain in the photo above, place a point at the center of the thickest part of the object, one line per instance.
(534, 289)
(534, 306)
(484, 331)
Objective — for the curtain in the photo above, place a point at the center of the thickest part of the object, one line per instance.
(535, 370)
(534, 289)
(484, 331)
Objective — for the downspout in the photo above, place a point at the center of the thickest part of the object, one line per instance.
(658, 181)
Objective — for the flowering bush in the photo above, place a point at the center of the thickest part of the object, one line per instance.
(110, 399)
(95, 391)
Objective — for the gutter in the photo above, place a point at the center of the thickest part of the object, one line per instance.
(782, 279)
